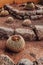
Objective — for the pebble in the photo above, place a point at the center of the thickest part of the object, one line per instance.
(25, 62)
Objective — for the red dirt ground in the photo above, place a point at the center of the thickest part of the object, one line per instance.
(32, 48)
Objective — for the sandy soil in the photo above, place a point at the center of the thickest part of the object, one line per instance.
(32, 51)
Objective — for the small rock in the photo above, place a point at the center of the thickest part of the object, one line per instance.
(39, 31)
(6, 60)
(27, 34)
(6, 32)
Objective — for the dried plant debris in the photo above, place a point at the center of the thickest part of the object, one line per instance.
(35, 17)
(5, 32)
(6, 60)
(33, 55)
(14, 12)
(0, 9)
(28, 34)
(25, 62)
(39, 12)
(38, 61)
(39, 7)
(15, 43)
(35, 14)
(35, 32)
(31, 12)
(39, 31)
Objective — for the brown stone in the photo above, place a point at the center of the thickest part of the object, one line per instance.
(26, 33)
(5, 32)
(39, 31)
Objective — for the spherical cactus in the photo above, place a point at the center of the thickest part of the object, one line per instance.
(30, 6)
(9, 20)
(4, 13)
(27, 22)
(15, 43)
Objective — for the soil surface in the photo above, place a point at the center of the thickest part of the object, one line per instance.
(33, 49)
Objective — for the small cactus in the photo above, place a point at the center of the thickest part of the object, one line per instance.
(9, 20)
(4, 13)
(27, 22)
